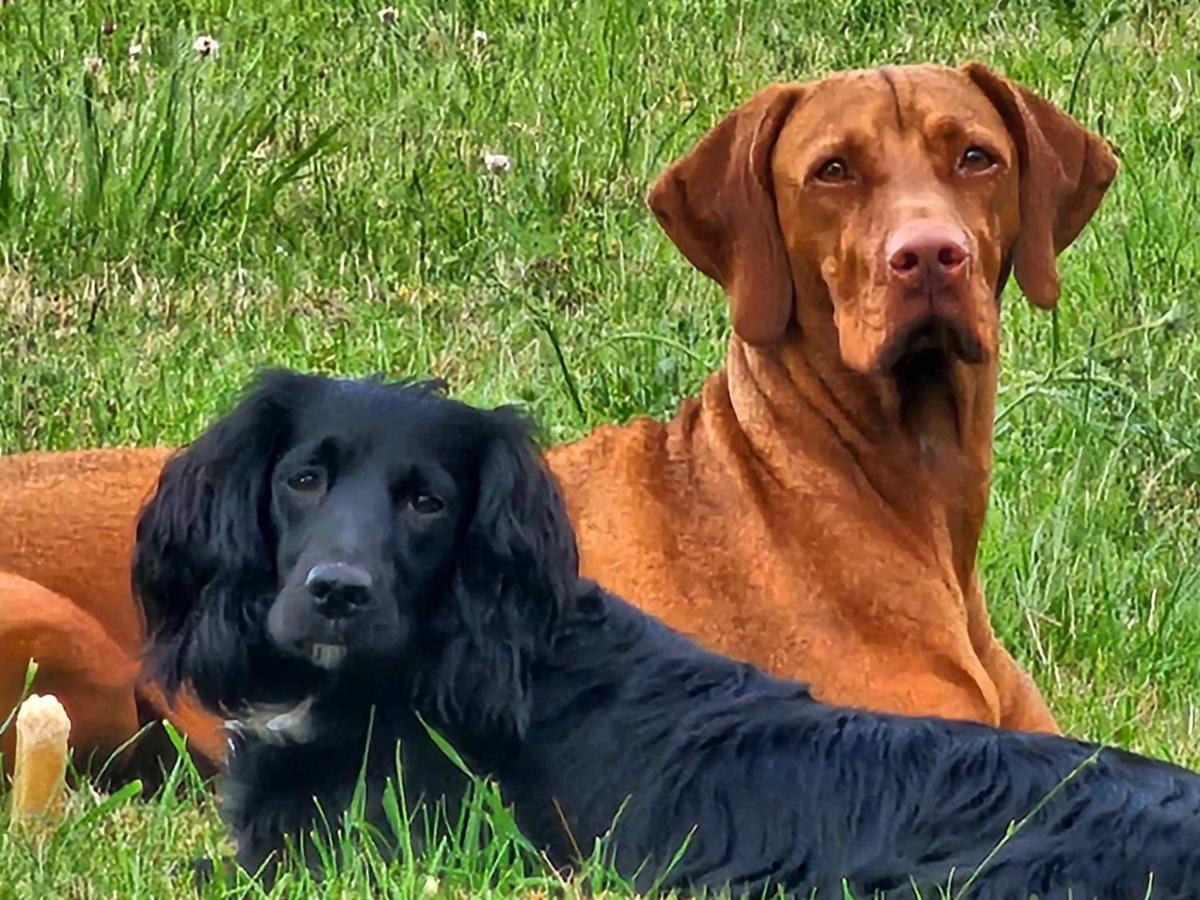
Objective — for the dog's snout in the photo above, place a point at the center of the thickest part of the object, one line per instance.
(338, 588)
(927, 252)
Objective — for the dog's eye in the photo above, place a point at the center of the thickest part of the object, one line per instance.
(307, 481)
(833, 171)
(976, 159)
(425, 503)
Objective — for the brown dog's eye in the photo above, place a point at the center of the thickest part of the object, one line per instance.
(976, 159)
(426, 504)
(833, 171)
(307, 481)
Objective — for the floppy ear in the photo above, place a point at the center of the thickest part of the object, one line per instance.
(517, 570)
(1065, 171)
(204, 552)
(718, 205)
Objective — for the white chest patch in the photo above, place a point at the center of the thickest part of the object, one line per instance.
(278, 724)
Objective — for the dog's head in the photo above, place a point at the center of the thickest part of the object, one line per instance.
(359, 534)
(892, 202)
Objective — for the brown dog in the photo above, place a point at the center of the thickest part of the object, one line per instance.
(816, 510)
(66, 541)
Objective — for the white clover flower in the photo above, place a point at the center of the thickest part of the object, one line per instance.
(135, 51)
(497, 163)
(387, 15)
(480, 37)
(206, 45)
(93, 64)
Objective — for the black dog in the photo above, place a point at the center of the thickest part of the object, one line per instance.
(336, 546)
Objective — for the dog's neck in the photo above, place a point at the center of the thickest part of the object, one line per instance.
(924, 448)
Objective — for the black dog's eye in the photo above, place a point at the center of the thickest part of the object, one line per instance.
(425, 503)
(307, 481)
(833, 171)
(976, 159)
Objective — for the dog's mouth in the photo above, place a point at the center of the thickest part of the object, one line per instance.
(325, 656)
(930, 345)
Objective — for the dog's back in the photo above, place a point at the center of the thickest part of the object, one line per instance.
(782, 789)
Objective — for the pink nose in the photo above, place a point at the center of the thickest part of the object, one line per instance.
(927, 252)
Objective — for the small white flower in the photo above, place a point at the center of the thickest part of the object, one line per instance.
(480, 37)
(497, 163)
(430, 887)
(135, 51)
(206, 45)
(93, 64)
(387, 15)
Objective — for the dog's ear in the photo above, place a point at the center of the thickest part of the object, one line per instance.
(718, 205)
(1065, 172)
(517, 570)
(203, 552)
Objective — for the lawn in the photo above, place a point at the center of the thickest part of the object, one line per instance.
(313, 192)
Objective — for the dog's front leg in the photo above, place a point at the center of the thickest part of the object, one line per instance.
(204, 870)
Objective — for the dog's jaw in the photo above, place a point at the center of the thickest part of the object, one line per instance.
(277, 723)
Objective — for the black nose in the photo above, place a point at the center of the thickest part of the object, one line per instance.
(339, 588)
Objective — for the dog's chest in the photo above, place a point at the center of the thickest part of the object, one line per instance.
(286, 764)
(278, 724)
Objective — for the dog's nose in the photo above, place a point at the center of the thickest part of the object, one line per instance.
(339, 588)
(927, 253)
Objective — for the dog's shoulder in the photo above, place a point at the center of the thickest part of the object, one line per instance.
(597, 615)
(605, 644)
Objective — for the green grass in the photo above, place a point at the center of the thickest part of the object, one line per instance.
(315, 197)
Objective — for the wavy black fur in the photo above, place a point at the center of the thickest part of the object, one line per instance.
(573, 700)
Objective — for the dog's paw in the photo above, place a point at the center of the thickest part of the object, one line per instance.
(203, 870)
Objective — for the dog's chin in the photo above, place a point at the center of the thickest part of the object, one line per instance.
(343, 652)
(329, 657)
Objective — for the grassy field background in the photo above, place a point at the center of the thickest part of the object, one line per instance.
(313, 194)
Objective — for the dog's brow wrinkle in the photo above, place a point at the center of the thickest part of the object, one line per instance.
(886, 72)
(943, 126)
